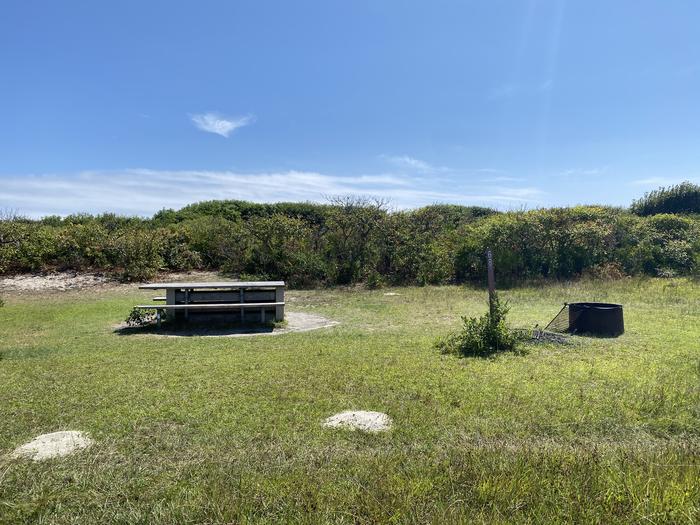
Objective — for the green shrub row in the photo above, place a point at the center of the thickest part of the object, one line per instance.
(357, 240)
(681, 198)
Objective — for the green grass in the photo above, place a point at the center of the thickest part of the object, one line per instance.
(227, 430)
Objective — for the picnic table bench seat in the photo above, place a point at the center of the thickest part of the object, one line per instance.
(206, 306)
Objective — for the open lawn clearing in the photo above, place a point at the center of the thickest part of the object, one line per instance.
(197, 429)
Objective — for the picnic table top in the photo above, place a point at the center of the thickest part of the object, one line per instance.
(228, 284)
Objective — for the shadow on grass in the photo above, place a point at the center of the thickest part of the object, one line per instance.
(197, 329)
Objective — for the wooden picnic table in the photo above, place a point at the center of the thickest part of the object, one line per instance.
(183, 298)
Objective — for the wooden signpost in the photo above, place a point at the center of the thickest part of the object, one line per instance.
(492, 281)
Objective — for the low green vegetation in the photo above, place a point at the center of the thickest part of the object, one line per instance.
(481, 336)
(228, 430)
(353, 240)
(139, 317)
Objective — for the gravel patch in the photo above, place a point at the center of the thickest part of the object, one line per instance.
(54, 445)
(363, 420)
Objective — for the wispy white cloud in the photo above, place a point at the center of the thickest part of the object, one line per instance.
(499, 179)
(493, 171)
(652, 181)
(411, 163)
(408, 164)
(145, 191)
(663, 181)
(523, 194)
(445, 175)
(585, 172)
(215, 123)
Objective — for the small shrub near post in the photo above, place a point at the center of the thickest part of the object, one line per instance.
(482, 336)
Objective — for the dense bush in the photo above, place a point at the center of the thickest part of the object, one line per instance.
(232, 210)
(217, 242)
(27, 246)
(136, 254)
(177, 252)
(281, 248)
(353, 240)
(559, 242)
(681, 198)
(416, 250)
(82, 245)
(663, 245)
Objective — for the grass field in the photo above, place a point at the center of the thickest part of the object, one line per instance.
(227, 430)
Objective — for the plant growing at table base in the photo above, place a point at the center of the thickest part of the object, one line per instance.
(138, 317)
(482, 336)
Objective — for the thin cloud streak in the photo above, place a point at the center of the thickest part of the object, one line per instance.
(145, 191)
(213, 122)
(585, 172)
(503, 178)
(409, 164)
(663, 181)
(413, 164)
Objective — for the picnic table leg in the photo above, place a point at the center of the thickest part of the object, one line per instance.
(187, 300)
(169, 300)
(158, 318)
(241, 297)
(279, 298)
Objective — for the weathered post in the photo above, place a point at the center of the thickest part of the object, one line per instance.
(492, 282)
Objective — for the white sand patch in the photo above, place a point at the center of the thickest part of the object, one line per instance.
(53, 281)
(54, 445)
(303, 322)
(72, 280)
(366, 421)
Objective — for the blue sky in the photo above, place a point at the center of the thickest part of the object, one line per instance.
(134, 106)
